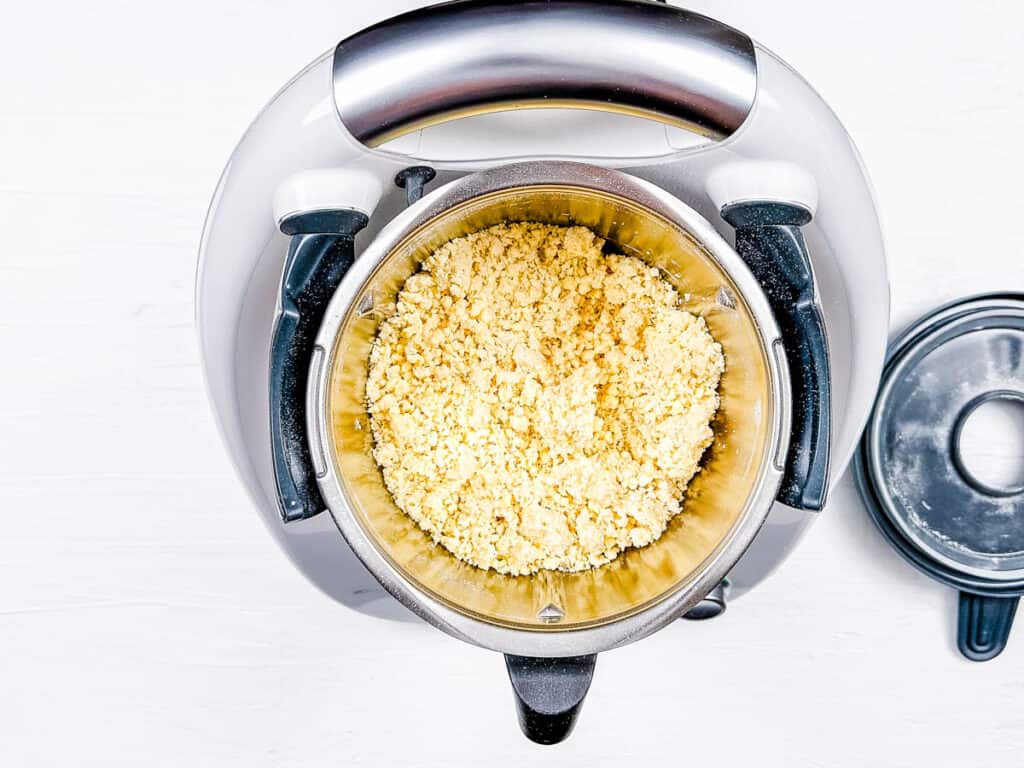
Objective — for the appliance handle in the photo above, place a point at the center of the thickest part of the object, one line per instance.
(984, 625)
(471, 57)
(549, 693)
(322, 250)
(769, 240)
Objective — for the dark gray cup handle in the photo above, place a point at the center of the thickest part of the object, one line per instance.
(321, 251)
(549, 694)
(769, 240)
(984, 625)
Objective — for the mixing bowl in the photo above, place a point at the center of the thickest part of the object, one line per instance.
(553, 613)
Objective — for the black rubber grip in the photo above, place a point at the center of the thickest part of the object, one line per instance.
(984, 625)
(549, 694)
(769, 240)
(321, 251)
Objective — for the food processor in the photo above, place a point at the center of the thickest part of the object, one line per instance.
(675, 137)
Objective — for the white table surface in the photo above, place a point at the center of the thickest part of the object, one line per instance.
(146, 617)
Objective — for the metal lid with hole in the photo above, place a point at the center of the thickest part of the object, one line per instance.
(945, 519)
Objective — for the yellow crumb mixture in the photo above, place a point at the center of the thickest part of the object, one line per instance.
(537, 403)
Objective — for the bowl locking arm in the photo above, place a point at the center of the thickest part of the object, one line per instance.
(769, 240)
(322, 250)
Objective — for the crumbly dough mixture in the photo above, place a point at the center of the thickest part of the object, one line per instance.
(537, 403)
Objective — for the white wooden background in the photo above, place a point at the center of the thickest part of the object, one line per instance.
(146, 618)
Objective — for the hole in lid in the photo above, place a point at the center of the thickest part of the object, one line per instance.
(990, 443)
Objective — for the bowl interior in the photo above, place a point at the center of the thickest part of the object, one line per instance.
(718, 497)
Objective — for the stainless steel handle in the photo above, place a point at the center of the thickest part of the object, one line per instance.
(471, 57)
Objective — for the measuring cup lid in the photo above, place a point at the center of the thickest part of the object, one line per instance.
(943, 519)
